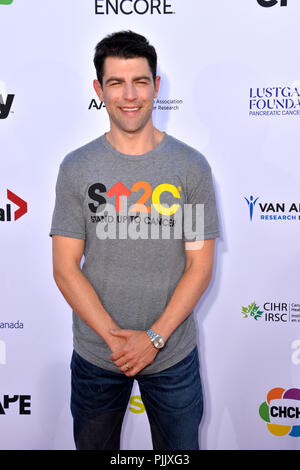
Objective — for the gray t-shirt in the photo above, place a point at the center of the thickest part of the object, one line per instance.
(134, 256)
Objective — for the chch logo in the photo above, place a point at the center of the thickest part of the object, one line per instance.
(251, 203)
(281, 412)
(6, 2)
(271, 3)
(252, 310)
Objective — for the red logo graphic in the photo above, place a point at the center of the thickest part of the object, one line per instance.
(5, 214)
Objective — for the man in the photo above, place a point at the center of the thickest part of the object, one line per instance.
(134, 296)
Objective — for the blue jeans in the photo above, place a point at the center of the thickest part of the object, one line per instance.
(172, 399)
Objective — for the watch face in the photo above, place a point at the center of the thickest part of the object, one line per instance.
(159, 342)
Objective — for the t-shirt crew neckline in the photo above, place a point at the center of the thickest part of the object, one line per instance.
(143, 156)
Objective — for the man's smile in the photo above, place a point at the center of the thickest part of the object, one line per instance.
(130, 110)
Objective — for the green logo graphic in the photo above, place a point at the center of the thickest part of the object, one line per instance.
(6, 2)
(252, 310)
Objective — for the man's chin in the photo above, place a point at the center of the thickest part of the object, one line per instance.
(133, 129)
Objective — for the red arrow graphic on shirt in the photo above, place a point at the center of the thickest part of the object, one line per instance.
(118, 190)
(19, 202)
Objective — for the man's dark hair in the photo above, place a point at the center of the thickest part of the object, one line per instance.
(126, 45)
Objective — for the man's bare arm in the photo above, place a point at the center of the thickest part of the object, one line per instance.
(78, 291)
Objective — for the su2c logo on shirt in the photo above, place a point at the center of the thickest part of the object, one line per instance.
(118, 190)
(156, 207)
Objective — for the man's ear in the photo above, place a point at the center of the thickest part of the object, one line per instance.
(156, 86)
(98, 89)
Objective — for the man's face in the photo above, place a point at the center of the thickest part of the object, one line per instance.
(128, 92)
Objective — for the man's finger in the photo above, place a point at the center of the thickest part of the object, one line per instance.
(121, 362)
(133, 371)
(122, 333)
(115, 356)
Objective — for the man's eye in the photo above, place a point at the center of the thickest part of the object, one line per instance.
(115, 83)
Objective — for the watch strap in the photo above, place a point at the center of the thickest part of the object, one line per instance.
(152, 335)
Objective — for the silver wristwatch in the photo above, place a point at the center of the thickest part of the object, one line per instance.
(157, 340)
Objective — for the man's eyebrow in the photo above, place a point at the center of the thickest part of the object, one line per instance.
(143, 77)
(118, 79)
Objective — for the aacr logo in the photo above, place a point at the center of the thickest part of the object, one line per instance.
(6, 2)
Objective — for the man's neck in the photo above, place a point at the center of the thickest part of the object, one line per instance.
(135, 143)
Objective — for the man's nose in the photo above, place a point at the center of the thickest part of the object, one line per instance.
(129, 92)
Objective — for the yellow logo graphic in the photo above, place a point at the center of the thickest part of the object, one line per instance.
(137, 404)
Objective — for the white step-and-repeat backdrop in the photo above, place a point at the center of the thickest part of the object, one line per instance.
(230, 88)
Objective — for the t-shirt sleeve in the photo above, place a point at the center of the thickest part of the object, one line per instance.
(200, 213)
(68, 219)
